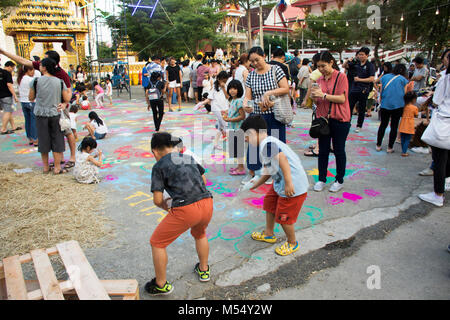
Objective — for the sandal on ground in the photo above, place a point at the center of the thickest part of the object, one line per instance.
(62, 171)
(69, 164)
(18, 129)
(7, 132)
(238, 173)
(287, 249)
(311, 153)
(405, 154)
(390, 151)
(52, 164)
(260, 236)
(312, 147)
(378, 148)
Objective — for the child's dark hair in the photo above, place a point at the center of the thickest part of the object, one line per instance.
(85, 98)
(161, 140)
(256, 122)
(223, 75)
(73, 108)
(409, 97)
(236, 84)
(94, 84)
(87, 142)
(155, 76)
(50, 65)
(94, 116)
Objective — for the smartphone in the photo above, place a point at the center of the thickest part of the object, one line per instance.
(315, 85)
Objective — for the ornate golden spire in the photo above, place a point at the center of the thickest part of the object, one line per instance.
(53, 16)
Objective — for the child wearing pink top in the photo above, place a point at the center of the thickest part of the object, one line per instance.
(99, 94)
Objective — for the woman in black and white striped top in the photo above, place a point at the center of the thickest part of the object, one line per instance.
(260, 85)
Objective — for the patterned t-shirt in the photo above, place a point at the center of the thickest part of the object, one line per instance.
(233, 112)
(181, 176)
(261, 83)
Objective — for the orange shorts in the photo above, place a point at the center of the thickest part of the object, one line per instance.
(195, 216)
(286, 210)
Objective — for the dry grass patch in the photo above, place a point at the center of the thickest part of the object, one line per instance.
(39, 211)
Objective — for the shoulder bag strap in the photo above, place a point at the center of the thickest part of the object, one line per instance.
(272, 67)
(334, 90)
(387, 85)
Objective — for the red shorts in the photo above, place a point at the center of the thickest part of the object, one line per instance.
(286, 210)
(195, 216)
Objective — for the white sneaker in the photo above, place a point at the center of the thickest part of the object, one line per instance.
(318, 187)
(447, 184)
(255, 178)
(357, 130)
(247, 178)
(426, 172)
(336, 187)
(432, 198)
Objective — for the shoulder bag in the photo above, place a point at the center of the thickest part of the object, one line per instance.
(282, 108)
(320, 126)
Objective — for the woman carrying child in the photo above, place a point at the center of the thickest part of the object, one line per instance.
(97, 127)
(235, 117)
(87, 167)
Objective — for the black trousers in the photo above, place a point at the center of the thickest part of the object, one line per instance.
(361, 99)
(158, 112)
(441, 169)
(394, 116)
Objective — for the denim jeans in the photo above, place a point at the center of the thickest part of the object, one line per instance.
(406, 139)
(30, 120)
(338, 133)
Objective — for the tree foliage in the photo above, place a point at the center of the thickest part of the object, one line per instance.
(186, 27)
(6, 5)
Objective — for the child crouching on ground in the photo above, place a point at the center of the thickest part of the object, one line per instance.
(192, 208)
(86, 166)
(406, 128)
(285, 199)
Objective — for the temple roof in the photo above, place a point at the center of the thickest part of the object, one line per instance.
(52, 16)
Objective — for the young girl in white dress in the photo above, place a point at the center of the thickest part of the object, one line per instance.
(86, 166)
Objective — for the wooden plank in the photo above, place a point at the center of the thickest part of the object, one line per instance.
(126, 288)
(85, 281)
(46, 276)
(27, 258)
(15, 284)
(3, 294)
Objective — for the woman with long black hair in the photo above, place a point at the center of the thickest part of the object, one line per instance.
(331, 98)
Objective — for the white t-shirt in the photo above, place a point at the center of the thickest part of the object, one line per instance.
(73, 120)
(186, 74)
(207, 86)
(24, 88)
(109, 89)
(85, 103)
(218, 100)
(99, 129)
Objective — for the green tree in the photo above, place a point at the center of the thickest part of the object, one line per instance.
(181, 31)
(6, 5)
(105, 52)
(431, 29)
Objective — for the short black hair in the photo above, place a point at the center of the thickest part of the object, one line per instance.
(419, 60)
(199, 57)
(364, 50)
(53, 55)
(296, 53)
(305, 62)
(278, 52)
(87, 142)
(255, 122)
(161, 140)
(36, 58)
(73, 108)
(409, 97)
(155, 58)
(258, 50)
(236, 84)
(10, 64)
(400, 69)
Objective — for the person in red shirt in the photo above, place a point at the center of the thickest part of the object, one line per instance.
(61, 74)
(332, 92)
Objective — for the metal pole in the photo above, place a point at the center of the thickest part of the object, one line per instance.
(261, 29)
(96, 41)
(126, 50)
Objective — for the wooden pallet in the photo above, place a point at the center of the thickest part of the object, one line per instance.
(83, 283)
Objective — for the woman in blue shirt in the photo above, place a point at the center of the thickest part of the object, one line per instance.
(392, 103)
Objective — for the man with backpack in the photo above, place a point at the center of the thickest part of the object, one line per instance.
(154, 95)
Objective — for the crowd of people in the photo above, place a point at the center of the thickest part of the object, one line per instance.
(242, 95)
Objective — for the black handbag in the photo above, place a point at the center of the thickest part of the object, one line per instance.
(320, 126)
